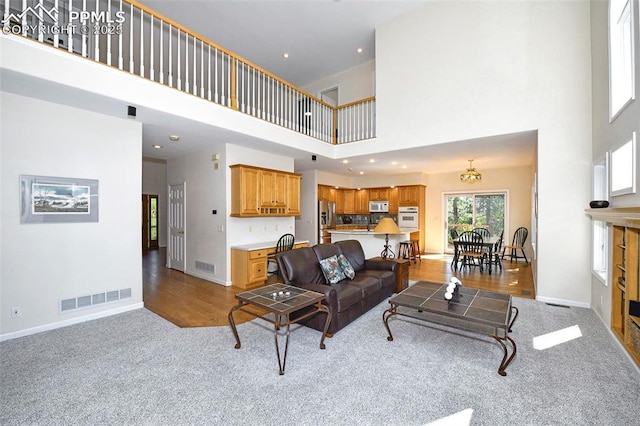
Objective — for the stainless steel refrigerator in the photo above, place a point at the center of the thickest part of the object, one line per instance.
(326, 220)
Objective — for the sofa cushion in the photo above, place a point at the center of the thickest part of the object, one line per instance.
(386, 278)
(352, 250)
(346, 267)
(347, 295)
(332, 270)
(368, 285)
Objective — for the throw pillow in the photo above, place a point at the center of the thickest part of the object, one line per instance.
(346, 267)
(332, 270)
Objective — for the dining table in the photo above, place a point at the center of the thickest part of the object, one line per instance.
(487, 243)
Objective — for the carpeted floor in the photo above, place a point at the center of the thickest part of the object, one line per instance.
(138, 369)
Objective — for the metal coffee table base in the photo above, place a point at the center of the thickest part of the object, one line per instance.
(477, 311)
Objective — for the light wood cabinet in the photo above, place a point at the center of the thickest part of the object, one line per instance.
(393, 201)
(293, 195)
(625, 288)
(257, 191)
(378, 194)
(361, 201)
(326, 192)
(249, 267)
(245, 195)
(349, 201)
(339, 201)
(409, 195)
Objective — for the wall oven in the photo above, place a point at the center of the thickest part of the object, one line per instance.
(408, 217)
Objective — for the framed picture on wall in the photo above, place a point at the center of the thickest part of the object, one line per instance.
(47, 199)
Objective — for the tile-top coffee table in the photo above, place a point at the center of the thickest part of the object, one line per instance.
(473, 310)
(280, 300)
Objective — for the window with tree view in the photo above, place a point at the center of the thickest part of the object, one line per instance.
(474, 210)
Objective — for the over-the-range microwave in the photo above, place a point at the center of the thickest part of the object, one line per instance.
(378, 207)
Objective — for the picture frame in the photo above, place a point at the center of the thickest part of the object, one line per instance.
(49, 199)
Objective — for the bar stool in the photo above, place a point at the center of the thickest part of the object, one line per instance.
(415, 250)
(405, 250)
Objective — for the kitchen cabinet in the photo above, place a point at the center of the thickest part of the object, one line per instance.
(326, 192)
(249, 263)
(293, 195)
(349, 201)
(245, 196)
(378, 194)
(361, 201)
(393, 201)
(410, 195)
(257, 191)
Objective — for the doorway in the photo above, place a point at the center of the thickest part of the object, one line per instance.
(465, 211)
(149, 221)
(330, 96)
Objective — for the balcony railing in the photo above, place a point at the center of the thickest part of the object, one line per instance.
(133, 38)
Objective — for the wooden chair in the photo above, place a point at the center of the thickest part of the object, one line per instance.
(472, 252)
(496, 252)
(519, 238)
(284, 243)
(453, 234)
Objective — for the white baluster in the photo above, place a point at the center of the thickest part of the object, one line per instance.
(186, 62)
(152, 72)
(201, 69)
(96, 44)
(131, 37)
(215, 75)
(170, 58)
(141, 43)
(69, 31)
(195, 67)
(161, 52)
(120, 58)
(108, 35)
(179, 64)
(209, 74)
(56, 23)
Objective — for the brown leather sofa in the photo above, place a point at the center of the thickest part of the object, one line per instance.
(374, 281)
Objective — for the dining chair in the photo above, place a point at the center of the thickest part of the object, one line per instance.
(453, 234)
(285, 242)
(496, 252)
(482, 231)
(472, 252)
(519, 238)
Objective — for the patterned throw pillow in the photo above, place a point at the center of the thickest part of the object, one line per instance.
(332, 270)
(346, 267)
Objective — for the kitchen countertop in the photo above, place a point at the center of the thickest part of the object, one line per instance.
(263, 245)
(372, 232)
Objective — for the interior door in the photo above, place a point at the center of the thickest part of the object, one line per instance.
(176, 248)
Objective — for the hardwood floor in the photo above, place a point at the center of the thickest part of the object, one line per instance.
(188, 301)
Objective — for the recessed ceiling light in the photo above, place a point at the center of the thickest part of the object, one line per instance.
(157, 146)
(372, 160)
(359, 50)
(393, 163)
(174, 138)
(285, 55)
(345, 161)
(361, 173)
(404, 167)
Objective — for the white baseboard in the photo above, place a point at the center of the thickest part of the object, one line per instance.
(207, 277)
(68, 322)
(554, 301)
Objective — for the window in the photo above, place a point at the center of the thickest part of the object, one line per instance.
(466, 211)
(600, 235)
(621, 71)
(623, 168)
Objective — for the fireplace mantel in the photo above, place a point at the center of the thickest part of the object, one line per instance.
(624, 216)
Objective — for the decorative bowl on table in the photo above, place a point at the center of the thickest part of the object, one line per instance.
(599, 204)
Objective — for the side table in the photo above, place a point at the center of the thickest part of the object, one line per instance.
(280, 300)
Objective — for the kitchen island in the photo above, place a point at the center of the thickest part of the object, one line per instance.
(372, 242)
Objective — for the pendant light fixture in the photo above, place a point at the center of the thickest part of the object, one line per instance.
(471, 175)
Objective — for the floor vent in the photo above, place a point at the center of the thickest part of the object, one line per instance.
(83, 302)
(207, 267)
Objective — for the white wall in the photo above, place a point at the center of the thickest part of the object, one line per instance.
(463, 70)
(43, 263)
(154, 182)
(353, 84)
(608, 135)
(209, 237)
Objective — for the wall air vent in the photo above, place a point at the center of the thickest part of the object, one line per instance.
(83, 302)
(207, 267)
